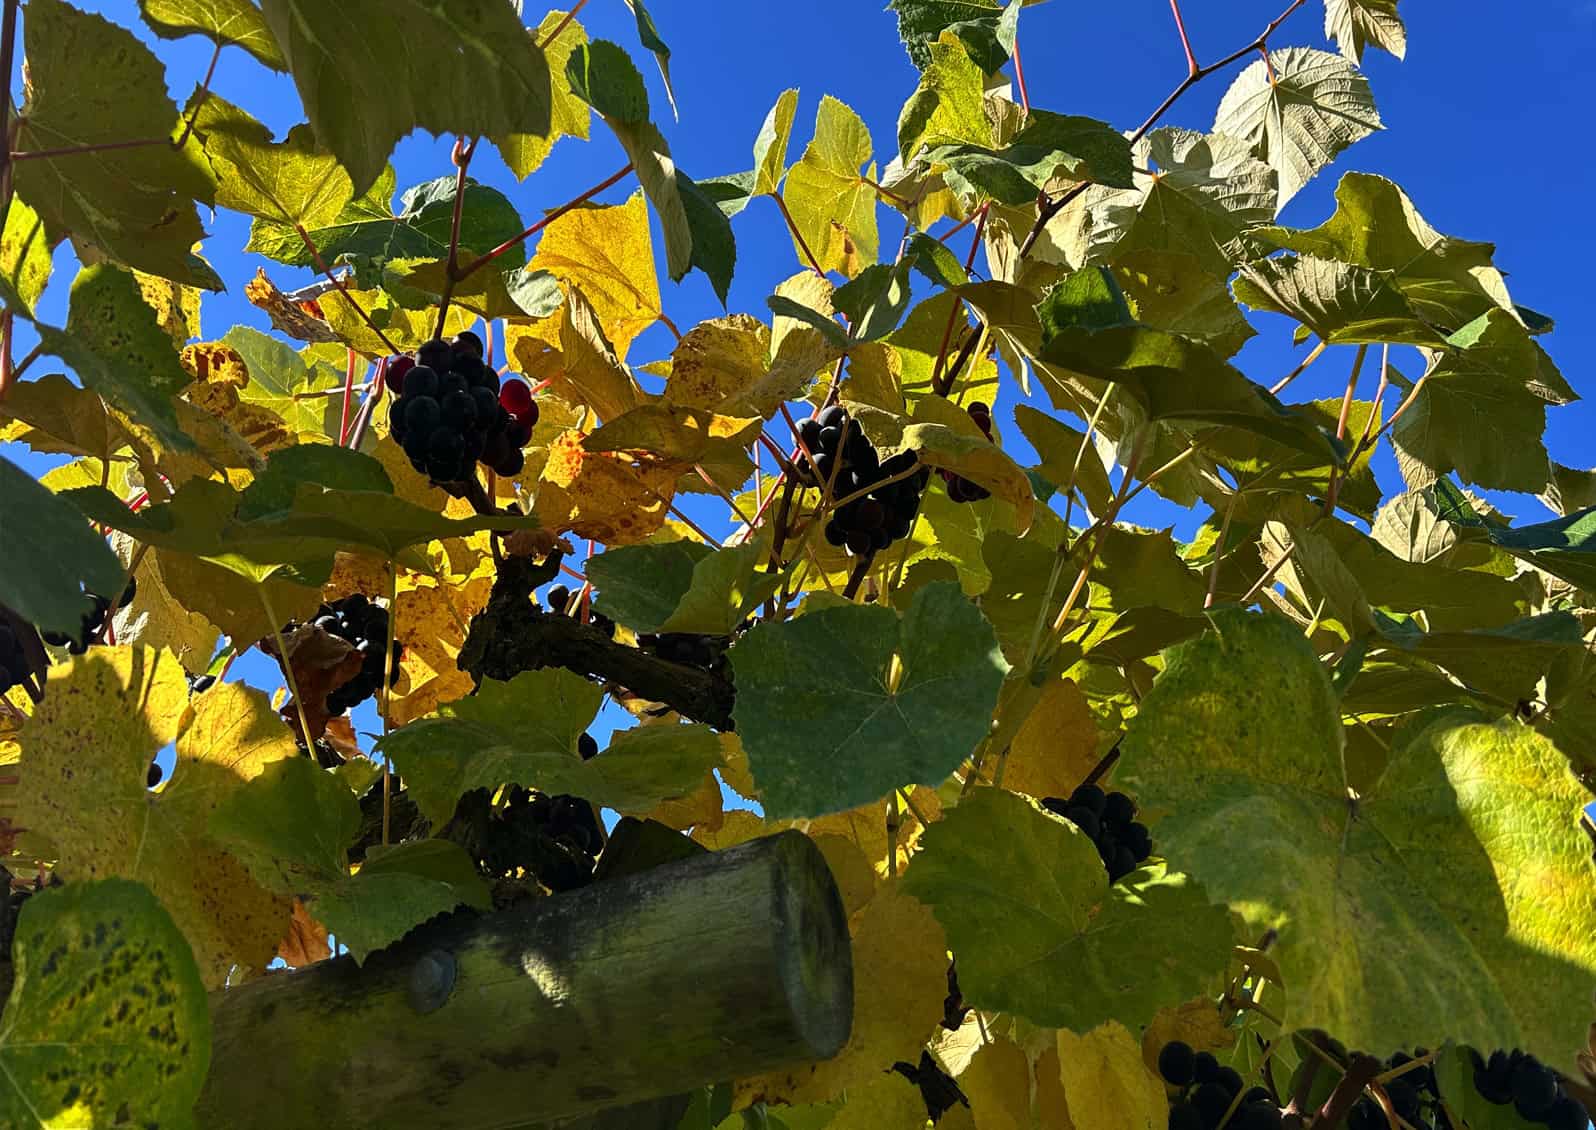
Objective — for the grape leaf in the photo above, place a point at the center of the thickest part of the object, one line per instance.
(648, 33)
(825, 726)
(833, 209)
(1450, 281)
(1041, 933)
(369, 230)
(1050, 146)
(681, 586)
(107, 1019)
(770, 147)
(292, 825)
(1479, 412)
(949, 106)
(525, 731)
(1356, 24)
(1298, 109)
(1416, 866)
(921, 22)
(157, 619)
(115, 346)
(36, 527)
(1341, 303)
(1561, 547)
(1170, 290)
(134, 204)
(677, 432)
(1107, 1084)
(602, 496)
(467, 67)
(125, 704)
(569, 116)
(1063, 461)
(338, 468)
(25, 259)
(228, 22)
(278, 379)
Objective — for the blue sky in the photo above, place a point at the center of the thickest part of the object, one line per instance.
(1478, 121)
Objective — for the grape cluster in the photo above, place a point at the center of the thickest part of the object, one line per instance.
(1109, 819)
(1208, 1090)
(939, 1090)
(961, 489)
(954, 1010)
(558, 599)
(450, 411)
(363, 624)
(93, 621)
(555, 839)
(872, 522)
(22, 655)
(687, 648)
(1533, 1088)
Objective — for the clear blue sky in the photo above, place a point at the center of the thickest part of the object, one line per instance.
(1481, 131)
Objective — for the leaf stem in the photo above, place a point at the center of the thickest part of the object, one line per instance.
(96, 147)
(1219, 548)
(483, 260)
(387, 689)
(1107, 521)
(342, 287)
(349, 392)
(288, 667)
(8, 58)
(8, 374)
(200, 99)
(559, 27)
(463, 152)
(1314, 355)
(1341, 426)
(798, 236)
(887, 192)
(1185, 41)
(1019, 74)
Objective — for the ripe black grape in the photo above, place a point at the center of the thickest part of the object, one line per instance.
(199, 684)
(688, 648)
(961, 489)
(1493, 1078)
(1256, 1116)
(1534, 1088)
(1404, 1098)
(842, 458)
(448, 415)
(555, 839)
(153, 775)
(1176, 1063)
(1204, 1068)
(1566, 1114)
(1212, 1100)
(468, 343)
(1184, 1116)
(357, 621)
(587, 747)
(1230, 1079)
(1107, 820)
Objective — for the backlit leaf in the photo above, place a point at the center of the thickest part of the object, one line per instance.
(569, 116)
(228, 22)
(833, 208)
(1356, 25)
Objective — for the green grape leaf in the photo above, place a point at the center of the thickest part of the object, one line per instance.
(1298, 109)
(1087, 299)
(832, 207)
(1564, 547)
(25, 259)
(681, 586)
(1252, 799)
(714, 245)
(370, 230)
(949, 106)
(770, 147)
(292, 827)
(1355, 25)
(228, 22)
(467, 68)
(648, 33)
(338, 468)
(874, 300)
(990, 42)
(280, 377)
(603, 75)
(1507, 662)
(1050, 146)
(49, 555)
(828, 728)
(115, 345)
(1064, 463)
(134, 204)
(921, 22)
(1449, 281)
(525, 732)
(107, 1019)
(1209, 191)
(570, 116)
(294, 182)
(1341, 303)
(1178, 380)
(1479, 411)
(1170, 290)
(1041, 933)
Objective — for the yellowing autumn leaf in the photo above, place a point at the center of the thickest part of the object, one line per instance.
(1056, 746)
(429, 622)
(157, 619)
(677, 432)
(602, 496)
(1196, 1022)
(900, 967)
(998, 1085)
(85, 753)
(1106, 1084)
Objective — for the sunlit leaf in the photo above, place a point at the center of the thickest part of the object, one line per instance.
(228, 22)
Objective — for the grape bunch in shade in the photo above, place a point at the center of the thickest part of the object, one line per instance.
(93, 621)
(1533, 1089)
(1109, 820)
(688, 648)
(448, 412)
(357, 621)
(558, 600)
(844, 457)
(938, 1090)
(554, 839)
(1206, 1091)
(961, 489)
(23, 661)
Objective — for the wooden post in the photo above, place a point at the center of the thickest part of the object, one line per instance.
(699, 971)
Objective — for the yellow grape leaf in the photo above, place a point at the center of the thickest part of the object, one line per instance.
(428, 622)
(1052, 1109)
(177, 307)
(220, 378)
(306, 940)
(700, 808)
(404, 329)
(85, 753)
(866, 828)
(887, 1102)
(569, 116)
(355, 573)
(1106, 1084)
(592, 372)
(56, 417)
(555, 417)
(1196, 1022)
(230, 601)
(602, 496)
(738, 827)
(717, 361)
(287, 316)
(875, 376)
(734, 767)
(834, 210)
(998, 1085)
(679, 432)
(900, 969)
(856, 878)
(606, 250)
(1056, 746)
(155, 618)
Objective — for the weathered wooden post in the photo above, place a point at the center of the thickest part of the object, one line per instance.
(702, 970)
